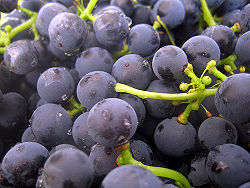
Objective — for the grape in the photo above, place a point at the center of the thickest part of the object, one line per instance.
(160, 108)
(112, 122)
(21, 163)
(169, 62)
(143, 40)
(68, 168)
(66, 3)
(21, 57)
(61, 146)
(213, 4)
(46, 14)
(197, 175)
(141, 152)
(136, 71)
(245, 185)
(94, 87)
(33, 5)
(200, 50)
(171, 12)
(111, 28)
(80, 133)
(11, 117)
(230, 18)
(126, 5)
(227, 165)
(103, 159)
(137, 105)
(50, 124)
(241, 48)
(131, 176)
(245, 18)
(141, 15)
(224, 37)
(192, 11)
(55, 79)
(67, 32)
(8, 5)
(94, 59)
(28, 136)
(229, 5)
(175, 139)
(232, 98)
(216, 131)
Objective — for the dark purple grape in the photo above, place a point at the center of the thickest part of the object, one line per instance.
(56, 79)
(33, 5)
(227, 165)
(112, 122)
(21, 163)
(28, 136)
(103, 159)
(13, 113)
(245, 18)
(21, 57)
(131, 176)
(141, 15)
(200, 50)
(171, 12)
(51, 124)
(230, 18)
(229, 5)
(168, 64)
(224, 37)
(241, 48)
(7, 6)
(66, 3)
(160, 108)
(67, 33)
(213, 4)
(197, 175)
(192, 11)
(61, 146)
(174, 139)
(68, 168)
(137, 104)
(141, 152)
(126, 5)
(80, 133)
(244, 135)
(111, 28)
(46, 14)
(94, 59)
(232, 98)
(143, 40)
(94, 87)
(216, 131)
(133, 70)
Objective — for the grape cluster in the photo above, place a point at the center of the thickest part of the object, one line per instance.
(116, 93)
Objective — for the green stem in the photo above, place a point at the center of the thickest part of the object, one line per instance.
(166, 96)
(87, 14)
(76, 107)
(126, 158)
(156, 25)
(195, 79)
(229, 61)
(214, 71)
(122, 52)
(2, 50)
(24, 26)
(236, 27)
(183, 117)
(207, 14)
(167, 31)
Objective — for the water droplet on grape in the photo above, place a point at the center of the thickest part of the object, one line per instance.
(64, 97)
(69, 132)
(60, 114)
(129, 20)
(127, 123)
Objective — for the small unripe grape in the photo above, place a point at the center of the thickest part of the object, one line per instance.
(183, 86)
(206, 80)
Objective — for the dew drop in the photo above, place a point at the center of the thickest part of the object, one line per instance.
(64, 97)
(69, 132)
(129, 20)
(60, 114)
(68, 54)
(121, 139)
(13, 123)
(127, 123)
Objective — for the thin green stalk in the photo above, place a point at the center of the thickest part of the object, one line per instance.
(126, 158)
(122, 88)
(24, 26)
(91, 6)
(229, 61)
(167, 31)
(236, 27)
(2, 50)
(207, 14)
(214, 71)
(76, 107)
(183, 117)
